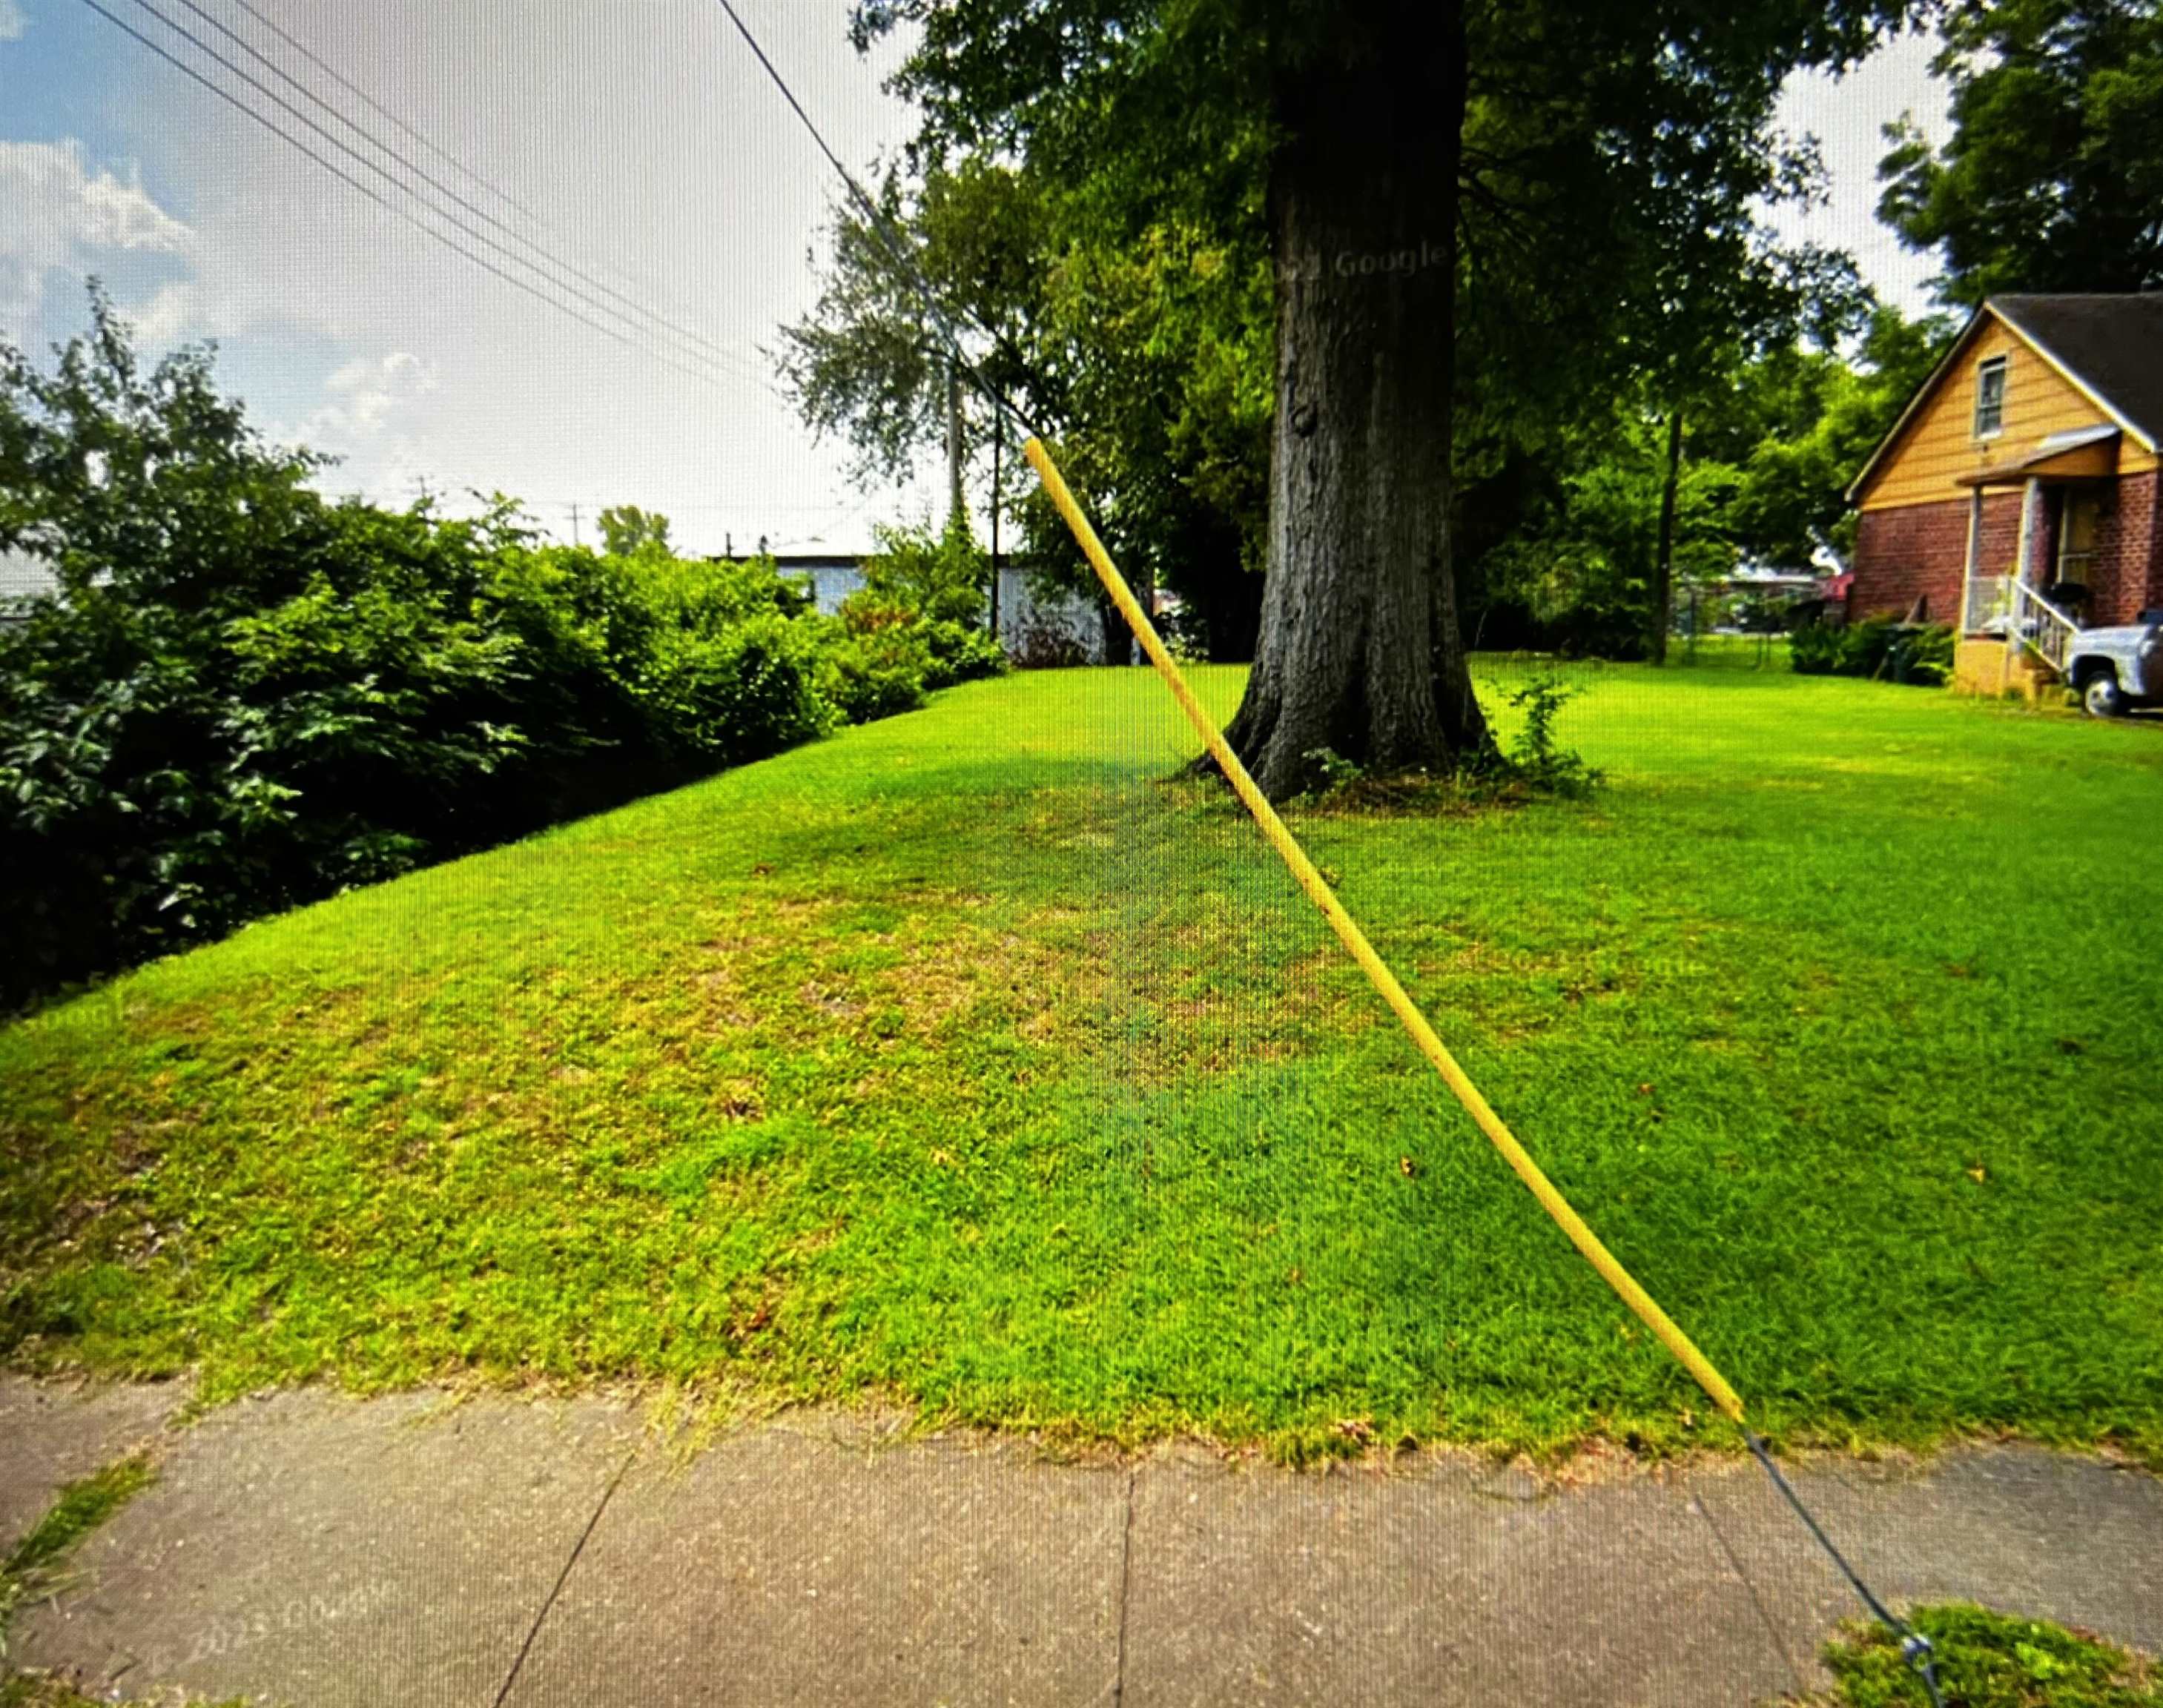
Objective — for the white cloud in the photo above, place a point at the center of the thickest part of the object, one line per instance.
(374, 420)
(366, 393)
(13, 21)
(56, 214)
(166, 317)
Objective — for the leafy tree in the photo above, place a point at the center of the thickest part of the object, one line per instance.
(627, 530)
(1799, 423)
(944, 578)
(1707, 329)
(1526, 170)
(1580, 574)
(2052, 179)
(1772, 446)
(1146, 362)
(916, 625)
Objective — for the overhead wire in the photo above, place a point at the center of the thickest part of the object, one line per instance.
(626, 334)
(480, 180)
(513, 256)
(376, 107)
(708, 348)
(895, 247)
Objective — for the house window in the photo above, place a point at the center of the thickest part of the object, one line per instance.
(1990, 398)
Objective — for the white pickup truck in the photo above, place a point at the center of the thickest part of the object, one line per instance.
(2114, 670)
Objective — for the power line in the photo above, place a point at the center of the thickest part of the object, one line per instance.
(839, 506)
(615, 333)
(708, 348)
(644, 282)
(839, 511)
(378, 107)
(554, 228)
(389, 177)
(894, 244)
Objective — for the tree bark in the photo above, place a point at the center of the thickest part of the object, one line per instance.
(1361, 650)
(1663, 562)
(1119, 640)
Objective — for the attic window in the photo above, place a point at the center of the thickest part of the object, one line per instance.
(1990, 398)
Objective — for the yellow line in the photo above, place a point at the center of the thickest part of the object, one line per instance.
(1376, 969)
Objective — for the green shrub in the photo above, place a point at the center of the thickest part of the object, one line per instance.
(871, 674)
(244, 696)
(726, 667)
(1990, 1660)
(1538, 759)
(1876, 647)
(1927, 656)
(744, 691)
(1818, 649)
(916, 625)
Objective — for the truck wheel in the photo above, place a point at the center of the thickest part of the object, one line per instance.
(2101, 697)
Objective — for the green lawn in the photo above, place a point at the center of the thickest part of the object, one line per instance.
(962, 1061)
(1988, 1660)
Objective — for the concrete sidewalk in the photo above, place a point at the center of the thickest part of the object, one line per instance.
(308, 1550)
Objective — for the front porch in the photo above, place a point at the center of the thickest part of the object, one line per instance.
(2017, 624)
(1991, 668)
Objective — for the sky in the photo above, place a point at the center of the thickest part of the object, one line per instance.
(1847, 115)
(638, 143)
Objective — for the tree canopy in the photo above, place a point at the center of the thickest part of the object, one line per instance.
(625, 529)
(2052, 179)
(1557, 214)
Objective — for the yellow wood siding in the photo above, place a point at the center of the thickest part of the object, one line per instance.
(1939, 443)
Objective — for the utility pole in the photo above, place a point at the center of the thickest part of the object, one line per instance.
(955, 513)
(998, 438)
(574, 525)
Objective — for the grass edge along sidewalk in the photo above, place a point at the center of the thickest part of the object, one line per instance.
(35, 1566)
(949, 1063)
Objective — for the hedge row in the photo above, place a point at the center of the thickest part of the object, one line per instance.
(245, 697)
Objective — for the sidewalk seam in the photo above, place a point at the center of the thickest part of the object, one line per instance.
(1126, 1579)
(548, 1604)
(1772, 1630)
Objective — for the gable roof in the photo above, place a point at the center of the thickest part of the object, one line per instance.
(2110, 348)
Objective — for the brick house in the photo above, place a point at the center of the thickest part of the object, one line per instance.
(2016, 497)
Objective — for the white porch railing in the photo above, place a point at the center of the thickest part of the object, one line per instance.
(2006, 606)
(2041, 627)
(1987, 608)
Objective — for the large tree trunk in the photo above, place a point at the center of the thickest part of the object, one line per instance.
(1359, 650)
(1664, 560)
